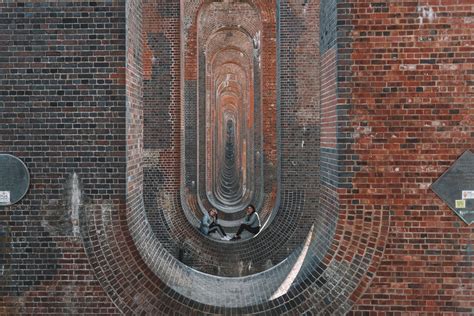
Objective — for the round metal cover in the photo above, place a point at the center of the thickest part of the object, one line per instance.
(14, 179)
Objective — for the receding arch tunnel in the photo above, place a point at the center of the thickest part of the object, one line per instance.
(243, 129)
(229, 87)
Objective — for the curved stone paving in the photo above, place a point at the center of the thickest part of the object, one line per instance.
(329, 283)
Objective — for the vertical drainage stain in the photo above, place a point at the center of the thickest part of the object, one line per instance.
(75, 204)
(5, 256)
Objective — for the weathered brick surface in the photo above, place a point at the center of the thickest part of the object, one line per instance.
(405, 72)
(372, 110)
(62, 76)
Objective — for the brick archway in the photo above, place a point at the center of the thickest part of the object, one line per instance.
(305, 252)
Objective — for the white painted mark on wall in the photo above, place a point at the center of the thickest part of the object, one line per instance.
(448, 67)
(407, 67)
(426, 12)
(469, 19)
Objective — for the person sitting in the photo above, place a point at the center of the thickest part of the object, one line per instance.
(209, 224)
(251, 222)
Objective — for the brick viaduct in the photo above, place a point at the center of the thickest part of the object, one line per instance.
(332, 117)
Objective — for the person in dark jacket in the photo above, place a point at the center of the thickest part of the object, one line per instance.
(209, 224)
(251, 223)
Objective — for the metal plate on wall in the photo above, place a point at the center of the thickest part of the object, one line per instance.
(14, 179)
(456, 187)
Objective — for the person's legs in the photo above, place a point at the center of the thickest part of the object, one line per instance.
(241, 229)
(212, 229)
(221, 230)
(216, 227)
(253, 230)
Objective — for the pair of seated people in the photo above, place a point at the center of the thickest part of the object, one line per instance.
(251, 223)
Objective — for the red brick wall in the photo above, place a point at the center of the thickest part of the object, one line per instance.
(406, 72)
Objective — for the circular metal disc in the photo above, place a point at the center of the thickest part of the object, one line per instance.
(14, 179)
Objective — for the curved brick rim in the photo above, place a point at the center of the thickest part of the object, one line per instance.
(329, 284)
(141, 276)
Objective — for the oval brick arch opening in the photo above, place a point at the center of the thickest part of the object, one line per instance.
(226, 62)
(315, 255)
